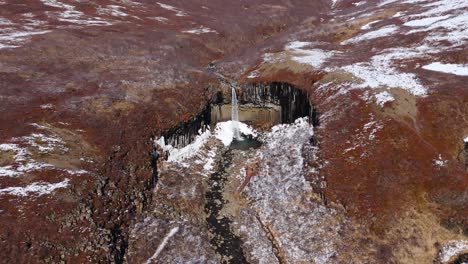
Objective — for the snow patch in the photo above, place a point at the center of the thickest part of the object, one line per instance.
(313, 57)
(425, 21)
(359, 3)
(200, 30)
(17, 38)
(384, 97)
(280, 195)
(382, 32)
(333, 5)
(112, 10)
(381, 72)
(160, 19)
(186, 152)
(20, 149)
(453, 249)
(163, 244)
(457, 69)
(35, 189)
(178, 11)
(47, 106)
(253, 75)
(5, 22)
(369, 25)
(440, 162)
(224, 131)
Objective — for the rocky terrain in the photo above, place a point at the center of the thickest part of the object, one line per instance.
(377, 173)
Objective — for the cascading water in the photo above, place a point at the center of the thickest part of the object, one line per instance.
(235, 115)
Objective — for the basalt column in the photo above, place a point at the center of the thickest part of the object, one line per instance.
(294, 102)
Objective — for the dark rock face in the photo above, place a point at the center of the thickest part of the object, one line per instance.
(184, 133)
(293, 101)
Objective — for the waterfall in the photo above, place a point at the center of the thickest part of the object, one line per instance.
(235, 115)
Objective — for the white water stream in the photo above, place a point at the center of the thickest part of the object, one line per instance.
(235, 115)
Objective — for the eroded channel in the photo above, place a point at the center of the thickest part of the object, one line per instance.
(204, 178)
(227, 244)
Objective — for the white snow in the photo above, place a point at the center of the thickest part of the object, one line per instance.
(23, 161)
(225, 133)
(440, 162)
(178, 11)
(382, 32)
(160, 19)
(466, 139)
(35, 189)
(280, 195)
(253, 75)
(200, 30)
(456, 69)
(369, 25)
(364, 136)
(384, 97)
(163, 244)
(57, 4)
(71, 15)
(313, 57)
(112, 10)
(441, 7)
(186, 152)
(381, 72)
(445, 20)
(425, 21)
(452, 249)
(45, 143)
(209, 164)
(294, 45)
(359, 3)
(22, 149)
(5, 22)
(47, 106)
(15, 39)
(333, 4)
